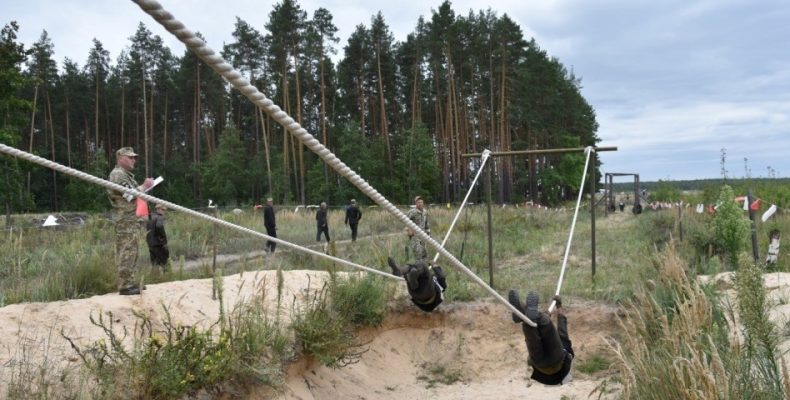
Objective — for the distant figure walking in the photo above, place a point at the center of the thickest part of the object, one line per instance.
(270, 224)
(321, 223)
(353, 215)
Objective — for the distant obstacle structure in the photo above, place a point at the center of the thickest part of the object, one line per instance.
(609, 190)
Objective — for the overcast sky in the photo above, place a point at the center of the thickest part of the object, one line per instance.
(672, 82)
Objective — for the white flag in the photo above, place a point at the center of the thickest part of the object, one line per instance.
(745, 204)
(769, 212)
(700, 208)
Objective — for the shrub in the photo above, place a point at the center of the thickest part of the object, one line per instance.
(324, 334)
(184, 360)
(729, 226)
(359, 300)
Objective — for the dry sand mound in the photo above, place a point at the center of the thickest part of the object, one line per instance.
(461, 351)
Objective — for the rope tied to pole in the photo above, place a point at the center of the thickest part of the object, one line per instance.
(589, 150)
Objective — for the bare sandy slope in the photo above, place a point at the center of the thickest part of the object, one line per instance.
(476, 344)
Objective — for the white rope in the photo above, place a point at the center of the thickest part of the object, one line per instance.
(589, 150)
(220, 66)
(484, 158)
(109, 185)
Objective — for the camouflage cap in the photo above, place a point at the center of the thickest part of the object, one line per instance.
(126, 151)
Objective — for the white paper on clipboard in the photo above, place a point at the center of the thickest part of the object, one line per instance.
(157, 181)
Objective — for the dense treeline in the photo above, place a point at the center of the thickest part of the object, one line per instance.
(401, 114)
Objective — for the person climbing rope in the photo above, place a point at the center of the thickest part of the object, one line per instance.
(426, 285)
(550, 349)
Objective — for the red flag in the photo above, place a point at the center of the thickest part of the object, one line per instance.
(755, 205)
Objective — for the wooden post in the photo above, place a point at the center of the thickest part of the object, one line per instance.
(214, 257)
(755, 252)
(680, 219)
(592, 209)
(490, 237)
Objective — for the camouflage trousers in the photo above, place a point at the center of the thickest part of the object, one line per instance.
(127, 232)
(417, 249)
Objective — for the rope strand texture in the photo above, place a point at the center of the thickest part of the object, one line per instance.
(109, 185)
(215, 62)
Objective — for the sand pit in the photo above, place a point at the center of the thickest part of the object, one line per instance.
(461, 351)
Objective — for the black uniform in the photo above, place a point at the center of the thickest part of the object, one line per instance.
(426, 285)
(321, 225)
(271, 226)
(353, 215)
(157, 240)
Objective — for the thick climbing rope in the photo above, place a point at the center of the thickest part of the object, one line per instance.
(235, 78)
(589, 150)
(109, 185)
(483, 159)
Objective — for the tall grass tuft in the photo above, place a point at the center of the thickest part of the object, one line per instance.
(245, 347)
(360, 300)
(680, 345)
(323, 333)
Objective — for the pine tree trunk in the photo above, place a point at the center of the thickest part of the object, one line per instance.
(52, 149)
(302, 197)
(123, 117)
(323, 115)
(32, 131)
(266, 150)
(96, 109)
(68, 131)
(164, 140)
(145, 123)
(383, 109)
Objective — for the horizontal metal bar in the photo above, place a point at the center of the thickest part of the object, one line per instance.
(543, 151)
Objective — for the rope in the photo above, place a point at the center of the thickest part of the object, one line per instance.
(589, 150)
(484, 158)
(220, 66)
(109, 185)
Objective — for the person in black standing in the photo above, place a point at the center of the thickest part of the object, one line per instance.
(270, 224)
(353, 215)
(321, 223)
(157, 237)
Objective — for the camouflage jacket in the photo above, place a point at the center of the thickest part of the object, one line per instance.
(121, 207)
(420, 218)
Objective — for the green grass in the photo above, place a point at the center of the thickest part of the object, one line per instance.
(632, 253)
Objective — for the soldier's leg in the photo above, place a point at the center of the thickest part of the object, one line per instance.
(353, 232)
(543, 343)
(126, 258)
(418, 249)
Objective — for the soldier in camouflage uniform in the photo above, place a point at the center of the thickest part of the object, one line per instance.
(419, 216)
(125, 220)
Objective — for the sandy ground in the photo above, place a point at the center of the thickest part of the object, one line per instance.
(475, 342)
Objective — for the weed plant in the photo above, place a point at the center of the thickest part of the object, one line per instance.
(679, 343)
(323, 335)
(245, 347)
